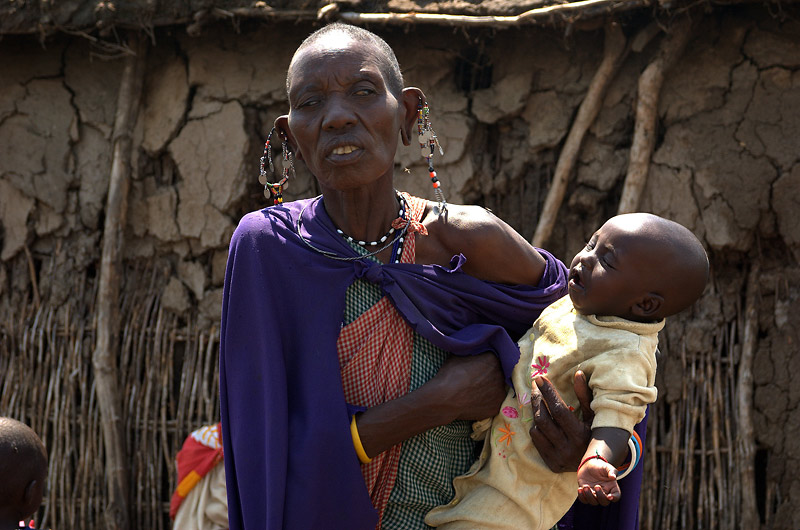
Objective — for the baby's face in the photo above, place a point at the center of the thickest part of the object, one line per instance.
(613, 272)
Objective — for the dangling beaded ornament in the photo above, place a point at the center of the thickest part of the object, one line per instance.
(275, 190)
(428, 142)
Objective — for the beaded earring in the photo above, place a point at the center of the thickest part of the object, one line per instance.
(428, 142)
(275, 190)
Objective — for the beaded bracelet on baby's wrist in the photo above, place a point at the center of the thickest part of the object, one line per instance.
(635, 447)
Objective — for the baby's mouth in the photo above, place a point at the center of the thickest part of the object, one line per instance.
(575, 278)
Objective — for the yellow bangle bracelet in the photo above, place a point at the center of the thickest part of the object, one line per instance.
(362, 456)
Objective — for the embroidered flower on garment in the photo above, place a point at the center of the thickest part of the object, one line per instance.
(540, 366)
(507, 436)
(510, 412)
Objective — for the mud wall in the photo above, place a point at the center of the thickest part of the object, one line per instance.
(726, 165)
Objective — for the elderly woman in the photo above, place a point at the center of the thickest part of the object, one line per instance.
(342, 313)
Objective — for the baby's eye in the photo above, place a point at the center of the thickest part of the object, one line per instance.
(592, 242)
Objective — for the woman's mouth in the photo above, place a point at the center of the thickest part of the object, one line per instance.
(344, 150)
(345, 154)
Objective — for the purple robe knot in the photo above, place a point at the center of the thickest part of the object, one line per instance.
(368, 270)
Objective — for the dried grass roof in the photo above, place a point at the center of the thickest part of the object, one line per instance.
(50, 16)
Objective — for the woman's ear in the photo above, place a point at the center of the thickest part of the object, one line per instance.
(649, 306)
(410, 100)
(283, 132)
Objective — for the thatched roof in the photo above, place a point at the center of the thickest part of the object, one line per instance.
(49, 16)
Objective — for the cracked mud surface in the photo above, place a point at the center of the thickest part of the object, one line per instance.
(726, 165)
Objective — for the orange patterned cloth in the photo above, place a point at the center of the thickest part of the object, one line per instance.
(375, 359)
(201, 451)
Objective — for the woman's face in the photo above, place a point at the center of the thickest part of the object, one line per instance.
(343, 118)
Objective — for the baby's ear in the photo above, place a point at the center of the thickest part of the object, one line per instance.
(32, 496)
(648, 306)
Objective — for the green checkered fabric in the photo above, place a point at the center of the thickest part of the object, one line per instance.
(430, 461)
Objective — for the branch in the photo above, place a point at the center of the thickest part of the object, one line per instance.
(105, 354)
(573, 10)
(37, 300)
(614, 53)
(644, 133)
(746, 445)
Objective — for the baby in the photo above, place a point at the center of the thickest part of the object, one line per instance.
(23, 468)
(636, 270)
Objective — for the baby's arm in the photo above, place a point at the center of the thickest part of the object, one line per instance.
(597, 474)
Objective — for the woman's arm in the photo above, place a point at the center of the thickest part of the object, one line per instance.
(465, 388)
(494, 251)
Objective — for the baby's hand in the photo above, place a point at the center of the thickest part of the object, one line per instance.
(597, 483)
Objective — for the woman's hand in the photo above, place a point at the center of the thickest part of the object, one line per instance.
(471, 387)
(467, 388)
(558, 435)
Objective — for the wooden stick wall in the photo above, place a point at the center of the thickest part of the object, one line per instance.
(168, 372)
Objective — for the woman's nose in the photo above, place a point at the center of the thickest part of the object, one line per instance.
(338, 115)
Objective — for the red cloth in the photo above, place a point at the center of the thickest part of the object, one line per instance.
(375, 358)
(201, 451)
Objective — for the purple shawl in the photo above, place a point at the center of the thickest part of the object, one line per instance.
(289, 457)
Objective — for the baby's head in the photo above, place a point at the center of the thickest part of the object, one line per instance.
(23, 469)
(638, 266)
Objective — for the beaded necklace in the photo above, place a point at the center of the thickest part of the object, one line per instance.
(377, 242)
(397, 241)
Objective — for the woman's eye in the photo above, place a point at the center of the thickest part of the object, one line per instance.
(364, 92)
(310, 102)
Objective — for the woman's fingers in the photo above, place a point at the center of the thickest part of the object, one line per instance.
(558, 435)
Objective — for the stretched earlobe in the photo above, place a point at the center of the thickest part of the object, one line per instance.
(282, 128)
(649, 306)
(410, 100)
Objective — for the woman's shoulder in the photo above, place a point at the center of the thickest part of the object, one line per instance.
(463, 223)
(270, 221)
(494, 250)
(261, 230)
(253, 225)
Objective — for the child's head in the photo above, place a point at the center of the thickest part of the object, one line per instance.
(638, 266)
(23, 468)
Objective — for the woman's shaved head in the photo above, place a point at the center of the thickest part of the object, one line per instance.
(332, 33)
